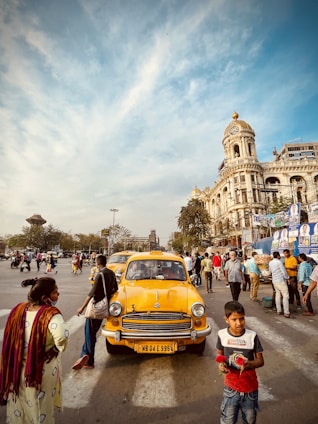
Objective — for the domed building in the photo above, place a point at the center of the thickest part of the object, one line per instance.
(36, 220)
(246, 187)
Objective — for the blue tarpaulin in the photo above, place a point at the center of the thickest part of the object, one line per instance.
(265, 244)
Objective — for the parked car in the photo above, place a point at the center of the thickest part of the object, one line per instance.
(117, 262)
(156, 308)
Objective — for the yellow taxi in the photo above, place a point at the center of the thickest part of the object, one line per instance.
(156, 309)
(117, 262)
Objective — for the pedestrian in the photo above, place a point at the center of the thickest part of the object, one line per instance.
(197, 268)
(291, 265)
(217, 263)
(255, 274)
(303, 278)
(207, 267)
(189, 263)
(75, 263)
(239, 353)
(92, 325)
(246, 271)
(234, 275)
(30, 369)
(312, 285)
(25, 263)
(38, 260)
(51, 265)
(279, 280)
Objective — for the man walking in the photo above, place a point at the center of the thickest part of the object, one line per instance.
(189, 263)
(291, 265)
(254, 274)
(206, 267)
(92, 326)
(234, 275)
(279, 280)
(217, 262)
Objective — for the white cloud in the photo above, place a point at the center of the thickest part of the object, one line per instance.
(118, 106)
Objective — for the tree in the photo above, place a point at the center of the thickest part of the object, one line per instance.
(177, 242)
(280, 204)
(194, 223)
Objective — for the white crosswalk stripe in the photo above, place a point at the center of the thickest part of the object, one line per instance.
(295, 355)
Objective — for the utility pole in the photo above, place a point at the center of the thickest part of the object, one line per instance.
(111, 234)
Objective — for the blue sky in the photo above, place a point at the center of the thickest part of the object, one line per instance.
(123, 104)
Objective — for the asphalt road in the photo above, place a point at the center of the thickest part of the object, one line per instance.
(181, 388)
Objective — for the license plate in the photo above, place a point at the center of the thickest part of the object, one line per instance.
(156, 347)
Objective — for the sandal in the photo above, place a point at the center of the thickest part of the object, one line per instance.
(80, 363)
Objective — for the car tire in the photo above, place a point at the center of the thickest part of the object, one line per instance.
(113, 349)
(196, 348)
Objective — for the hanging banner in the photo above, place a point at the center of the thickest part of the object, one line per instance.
(305, 234)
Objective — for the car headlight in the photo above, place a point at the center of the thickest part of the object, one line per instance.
(115, 309)
(198, 310)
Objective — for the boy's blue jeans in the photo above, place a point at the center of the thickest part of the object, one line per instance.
(234, 401)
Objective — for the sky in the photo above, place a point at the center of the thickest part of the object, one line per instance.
(122, 104)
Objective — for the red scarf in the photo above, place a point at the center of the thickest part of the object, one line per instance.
(13, 347)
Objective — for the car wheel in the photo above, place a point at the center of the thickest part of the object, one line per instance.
(197, 348)
(113, 349)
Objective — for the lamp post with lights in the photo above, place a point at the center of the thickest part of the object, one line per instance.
(111, 237)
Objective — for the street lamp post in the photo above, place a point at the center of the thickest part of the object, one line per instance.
(111, 238)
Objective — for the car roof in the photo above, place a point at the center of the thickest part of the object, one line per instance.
(124, 252)
(155, 254)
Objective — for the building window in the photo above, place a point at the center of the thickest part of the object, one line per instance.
(242, 178)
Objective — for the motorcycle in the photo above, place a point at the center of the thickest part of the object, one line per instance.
(15, 262)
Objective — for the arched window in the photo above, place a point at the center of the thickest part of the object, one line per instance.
(237, 151)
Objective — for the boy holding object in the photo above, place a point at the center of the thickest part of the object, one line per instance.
(239, 353)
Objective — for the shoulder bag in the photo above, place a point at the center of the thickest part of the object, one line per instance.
(98, 310)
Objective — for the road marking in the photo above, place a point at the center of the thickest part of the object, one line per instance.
(4, 312)
(302, 327)
(264, 392)
(155, 385)
(307, 366)
(78, 386)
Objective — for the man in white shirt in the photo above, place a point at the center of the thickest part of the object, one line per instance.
(189, 263)
(279, 280)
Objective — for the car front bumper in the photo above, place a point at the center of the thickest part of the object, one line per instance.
(119, 335)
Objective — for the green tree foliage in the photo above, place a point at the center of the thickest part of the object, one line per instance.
(177, 242)
(280, 204)
(194, 223)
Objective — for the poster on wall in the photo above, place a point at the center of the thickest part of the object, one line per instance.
(294, 214)
(312, 210)
(306, 234)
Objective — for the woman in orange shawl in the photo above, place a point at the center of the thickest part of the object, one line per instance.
(30, 367)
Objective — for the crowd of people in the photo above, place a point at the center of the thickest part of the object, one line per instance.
(36, 334)
(293, 278)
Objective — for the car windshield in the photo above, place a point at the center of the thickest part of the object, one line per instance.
(118, 259)
(156, 270)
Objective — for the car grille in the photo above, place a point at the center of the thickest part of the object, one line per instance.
(156, 322)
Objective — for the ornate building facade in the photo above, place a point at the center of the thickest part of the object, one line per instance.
(246, 187)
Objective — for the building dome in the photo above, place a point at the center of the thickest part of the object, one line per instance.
(195, 193)
(237, 125)
(36, 220)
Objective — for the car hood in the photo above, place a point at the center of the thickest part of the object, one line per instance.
(145, 297)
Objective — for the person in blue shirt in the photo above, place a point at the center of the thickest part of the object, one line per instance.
(303, 279)
(255, 274)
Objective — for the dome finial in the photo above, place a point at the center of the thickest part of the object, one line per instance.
(235, 115)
